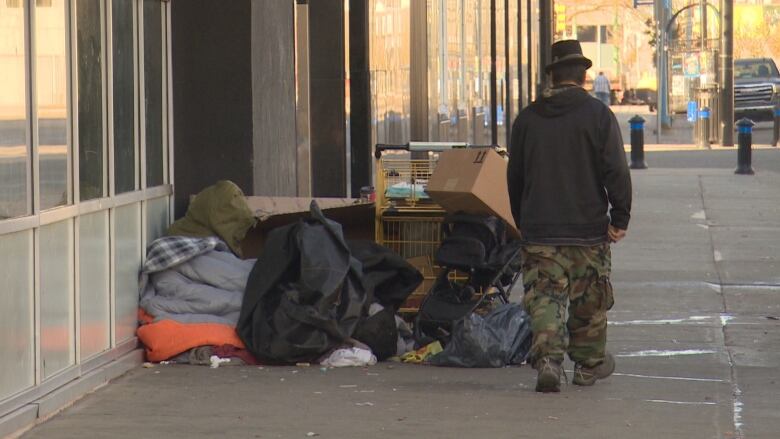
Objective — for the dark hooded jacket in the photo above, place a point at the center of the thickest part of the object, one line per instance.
(567, 165)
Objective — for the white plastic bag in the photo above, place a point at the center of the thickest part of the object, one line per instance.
(350, 357)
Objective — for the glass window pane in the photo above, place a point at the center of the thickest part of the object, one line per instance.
(90, 98)
(124, 79)
(127, 254)
(94, 302)
(153, 99)
(57, 313)
(390, 64)
(17, 346)
(51, 96)
(156, 218)
(586, 34)
(14, 152)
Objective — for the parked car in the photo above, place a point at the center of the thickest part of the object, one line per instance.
(756, 88)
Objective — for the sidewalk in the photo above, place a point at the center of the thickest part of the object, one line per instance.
(695, 330)
(666, 147)
(681, 131)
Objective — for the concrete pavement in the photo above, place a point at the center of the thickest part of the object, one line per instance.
(695, 330)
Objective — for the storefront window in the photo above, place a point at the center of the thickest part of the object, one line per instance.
(153, 96)
(89, 49)
(587, 34)
(390, 25)
(14, 148)
(124, 96)
(51, 96)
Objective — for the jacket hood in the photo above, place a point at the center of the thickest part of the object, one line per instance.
(557, 101)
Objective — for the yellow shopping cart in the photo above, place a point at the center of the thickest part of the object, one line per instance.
(407, 220)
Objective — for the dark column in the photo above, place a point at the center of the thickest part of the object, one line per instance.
(212, 95)
(519, 43)
(493, 78)
(727, 72)
(545, 41)
(326, 67)
(529, 35)
(360, 97)
(273, 98)
(508, 75)
(418, 95)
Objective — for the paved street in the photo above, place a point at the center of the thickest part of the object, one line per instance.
(695, 329)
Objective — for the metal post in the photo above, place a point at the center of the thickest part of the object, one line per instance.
(493, 78)
(545, 41)
(776, 128)
(703, 22)
(703, 140)
(744, 153)
(727, 72)
(662, 83)
(637, 124)
(658, 90)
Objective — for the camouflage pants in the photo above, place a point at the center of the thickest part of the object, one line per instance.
(561, 280)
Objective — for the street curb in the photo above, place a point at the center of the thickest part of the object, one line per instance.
(662, 147)
(24, 418)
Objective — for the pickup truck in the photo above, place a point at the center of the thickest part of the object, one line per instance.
(756, 88)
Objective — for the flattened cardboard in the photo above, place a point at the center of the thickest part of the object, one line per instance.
(355, 216)
(472, 181)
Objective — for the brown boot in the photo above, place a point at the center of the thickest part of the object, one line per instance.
(549, 378)
(587, 376)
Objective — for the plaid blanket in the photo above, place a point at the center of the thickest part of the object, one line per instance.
(169, 251)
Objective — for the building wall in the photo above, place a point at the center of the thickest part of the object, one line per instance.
(84, 183)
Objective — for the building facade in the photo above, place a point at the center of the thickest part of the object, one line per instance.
(114, 112)
(84, 182)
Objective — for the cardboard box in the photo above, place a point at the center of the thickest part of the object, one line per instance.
(472, 181)
(356, 217)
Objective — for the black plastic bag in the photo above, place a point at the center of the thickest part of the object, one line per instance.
(304, 295)
(387, 277)
(500, 338)
(380, 333)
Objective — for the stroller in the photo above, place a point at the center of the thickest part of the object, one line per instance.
(479, 267)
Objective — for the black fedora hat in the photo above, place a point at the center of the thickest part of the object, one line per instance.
(567, 52)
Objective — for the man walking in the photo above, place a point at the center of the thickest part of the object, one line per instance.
(602, 89)
(567, 166)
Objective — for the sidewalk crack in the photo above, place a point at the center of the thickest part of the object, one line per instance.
(736, 391)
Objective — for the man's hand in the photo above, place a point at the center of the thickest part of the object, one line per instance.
(615, 234)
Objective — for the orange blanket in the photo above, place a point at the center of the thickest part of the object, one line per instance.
(165, 339)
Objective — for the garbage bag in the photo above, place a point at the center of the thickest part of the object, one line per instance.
(380, 332)
(304, 295)
(498, 339)
(387, 277)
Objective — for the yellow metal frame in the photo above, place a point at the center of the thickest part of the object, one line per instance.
(411, 226)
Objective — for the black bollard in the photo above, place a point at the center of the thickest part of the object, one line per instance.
(637, 124)
(745, 141)
(776, 128)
